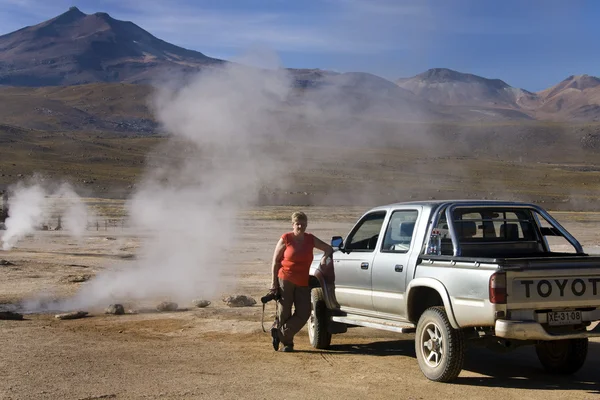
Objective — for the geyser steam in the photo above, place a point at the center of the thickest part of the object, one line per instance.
(221, 125)
(32, 204)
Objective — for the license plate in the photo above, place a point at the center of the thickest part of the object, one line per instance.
(564, 318)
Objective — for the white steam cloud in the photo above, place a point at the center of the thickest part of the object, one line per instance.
(31, 205)
(187, 205)
(26, 207)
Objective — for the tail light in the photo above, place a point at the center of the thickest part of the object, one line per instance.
(498, 288)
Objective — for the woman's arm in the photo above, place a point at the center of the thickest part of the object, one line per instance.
(327, 250)
(277, 257)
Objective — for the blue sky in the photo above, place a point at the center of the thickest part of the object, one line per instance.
(531, 44)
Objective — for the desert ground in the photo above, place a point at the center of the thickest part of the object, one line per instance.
(222, 352)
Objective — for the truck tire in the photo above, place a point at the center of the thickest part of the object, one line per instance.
(562, 356)
(439, 347)
(318, 335)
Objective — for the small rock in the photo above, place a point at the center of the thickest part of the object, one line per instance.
(239, 300)
(4, 262)
(76, 278)
(167, 306)
(9, 315)
(201, 303)
(115, 309)
(71, 315)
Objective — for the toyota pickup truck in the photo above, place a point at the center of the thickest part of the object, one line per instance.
(496, 273)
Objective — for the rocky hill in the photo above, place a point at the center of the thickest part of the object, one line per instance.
(577, 98)
(75, 48)
(448, 87)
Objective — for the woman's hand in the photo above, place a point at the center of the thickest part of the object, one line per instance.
(325, 248)
(325, 260)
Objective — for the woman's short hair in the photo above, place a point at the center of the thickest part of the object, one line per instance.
(299, 216)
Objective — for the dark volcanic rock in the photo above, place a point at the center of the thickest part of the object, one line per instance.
(9, 315)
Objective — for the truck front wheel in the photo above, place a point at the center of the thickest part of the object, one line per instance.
(439, 347)
(562, 356)
(318, 335)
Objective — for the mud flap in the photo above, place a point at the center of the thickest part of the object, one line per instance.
(337, 327)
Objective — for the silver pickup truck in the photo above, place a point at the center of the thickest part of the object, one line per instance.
(455, 272)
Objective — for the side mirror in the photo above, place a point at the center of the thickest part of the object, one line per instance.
(337, 242)
(549, 231)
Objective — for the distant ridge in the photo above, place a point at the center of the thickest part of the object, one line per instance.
(577, 98)
(75, 48)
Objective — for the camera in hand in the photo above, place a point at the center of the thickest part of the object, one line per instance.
(270, 296)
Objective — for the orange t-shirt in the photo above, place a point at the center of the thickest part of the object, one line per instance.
(297, 258)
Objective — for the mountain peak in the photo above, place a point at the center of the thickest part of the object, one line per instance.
(103, 15)
(75, 48)
(449, 87)
(446, 75)
(573, 82)
(581, 82)
(442, 74)
(72, 15)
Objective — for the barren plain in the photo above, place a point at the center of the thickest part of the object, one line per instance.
(221, 352)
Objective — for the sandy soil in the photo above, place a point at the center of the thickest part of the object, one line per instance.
(221, 352)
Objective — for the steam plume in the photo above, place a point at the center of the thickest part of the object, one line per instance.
(26, 212)
(188, 202)
(31, 204)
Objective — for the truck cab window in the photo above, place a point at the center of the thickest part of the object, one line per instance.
(365, 235)
(399, 232)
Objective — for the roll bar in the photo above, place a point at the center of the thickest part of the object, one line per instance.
(450, 207)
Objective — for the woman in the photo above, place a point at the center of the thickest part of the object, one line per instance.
(292, 258)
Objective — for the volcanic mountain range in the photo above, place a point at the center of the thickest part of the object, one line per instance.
(75, 48)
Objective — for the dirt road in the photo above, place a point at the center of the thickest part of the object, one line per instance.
(220, 352)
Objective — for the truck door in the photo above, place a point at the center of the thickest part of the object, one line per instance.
(392, 260)
(354, 263)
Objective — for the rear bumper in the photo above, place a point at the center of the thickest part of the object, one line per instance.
(531, 330)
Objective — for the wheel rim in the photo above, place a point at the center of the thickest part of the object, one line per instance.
(432, 345)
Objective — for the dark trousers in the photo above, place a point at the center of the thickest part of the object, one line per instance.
(290, 324)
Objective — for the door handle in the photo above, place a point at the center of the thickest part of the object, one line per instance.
(399, 268)
(364, 265)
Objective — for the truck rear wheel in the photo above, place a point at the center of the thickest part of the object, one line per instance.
(318, 335)
(562, 356)
(439, 347)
